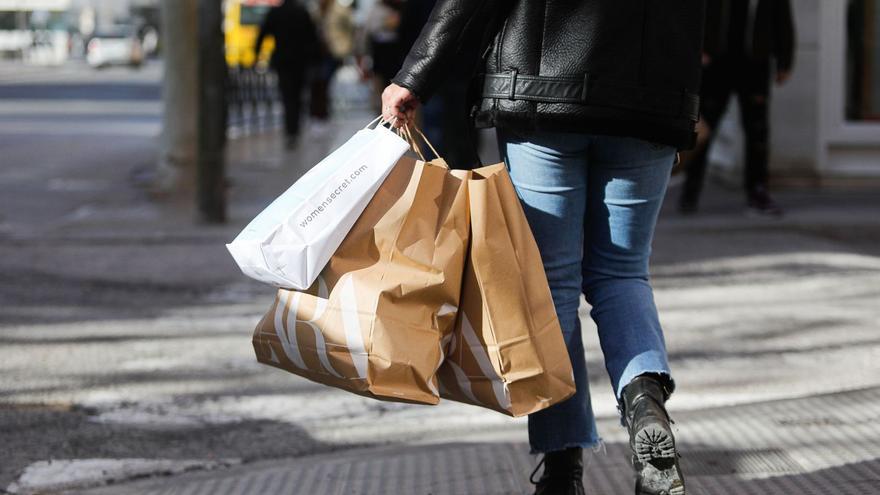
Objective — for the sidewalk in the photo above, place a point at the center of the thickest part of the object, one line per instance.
(819, 445)
(108, 232)
(775, 318)
(126, 334)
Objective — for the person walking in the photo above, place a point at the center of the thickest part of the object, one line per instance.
(378, 46)
(747, 42)
(591, 100)
(336, 43)
(296, 41)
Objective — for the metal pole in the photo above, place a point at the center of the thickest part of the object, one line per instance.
(211, 188)
(176, 171)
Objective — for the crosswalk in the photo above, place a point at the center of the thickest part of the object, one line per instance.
(74, 100)
(17, 72)
(14, 72)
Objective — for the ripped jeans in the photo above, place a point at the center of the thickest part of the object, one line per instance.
(592, 202)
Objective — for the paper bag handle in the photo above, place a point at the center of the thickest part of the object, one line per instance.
(424, 138)
(407, 135)
(373, 122)
(405, 132)
(381, 121)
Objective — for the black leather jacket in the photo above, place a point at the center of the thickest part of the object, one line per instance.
(618, 67)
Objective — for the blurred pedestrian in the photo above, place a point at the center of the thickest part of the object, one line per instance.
(444, 118)
(591, 99)
(295, 44)
(336, 40)
(747, 43)
(380, 52)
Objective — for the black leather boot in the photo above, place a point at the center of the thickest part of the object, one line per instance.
(654, 459)
(563, 473)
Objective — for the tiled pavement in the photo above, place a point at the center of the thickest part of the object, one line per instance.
(822, 445)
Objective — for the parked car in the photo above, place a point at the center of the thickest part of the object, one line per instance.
(119, 46)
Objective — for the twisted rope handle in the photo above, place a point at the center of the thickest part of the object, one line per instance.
(425, 139)
(407, 135)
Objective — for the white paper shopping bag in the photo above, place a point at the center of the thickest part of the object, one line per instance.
(288, 243)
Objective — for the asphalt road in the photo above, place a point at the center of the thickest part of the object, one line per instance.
(91, 258)
(125, 329)
(73, 134)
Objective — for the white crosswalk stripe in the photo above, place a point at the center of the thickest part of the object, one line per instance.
(16, 72)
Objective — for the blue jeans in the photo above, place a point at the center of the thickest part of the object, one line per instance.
(592, 203)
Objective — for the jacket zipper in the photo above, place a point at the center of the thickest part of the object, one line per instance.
(500, 44)
(749, 38)
(642, 74)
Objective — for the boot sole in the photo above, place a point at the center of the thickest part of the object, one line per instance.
(655, 461)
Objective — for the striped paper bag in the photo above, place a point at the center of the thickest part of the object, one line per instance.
(374, 321)
(507, 352)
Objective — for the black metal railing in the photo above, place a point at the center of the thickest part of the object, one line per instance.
(253, 102)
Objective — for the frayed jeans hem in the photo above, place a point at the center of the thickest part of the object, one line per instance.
(592, 445)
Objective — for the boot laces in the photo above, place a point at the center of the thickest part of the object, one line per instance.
(533, 481)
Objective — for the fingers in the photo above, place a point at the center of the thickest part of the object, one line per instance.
(398, 104)
(388, 106)
(393, 113)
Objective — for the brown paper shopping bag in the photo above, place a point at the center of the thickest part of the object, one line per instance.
(374, 321)
(507, 351)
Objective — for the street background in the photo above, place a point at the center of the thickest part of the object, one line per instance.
(125, 327)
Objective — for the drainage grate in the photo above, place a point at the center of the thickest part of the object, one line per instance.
(721, 462)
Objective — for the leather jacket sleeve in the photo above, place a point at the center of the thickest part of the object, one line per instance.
(452, 24)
